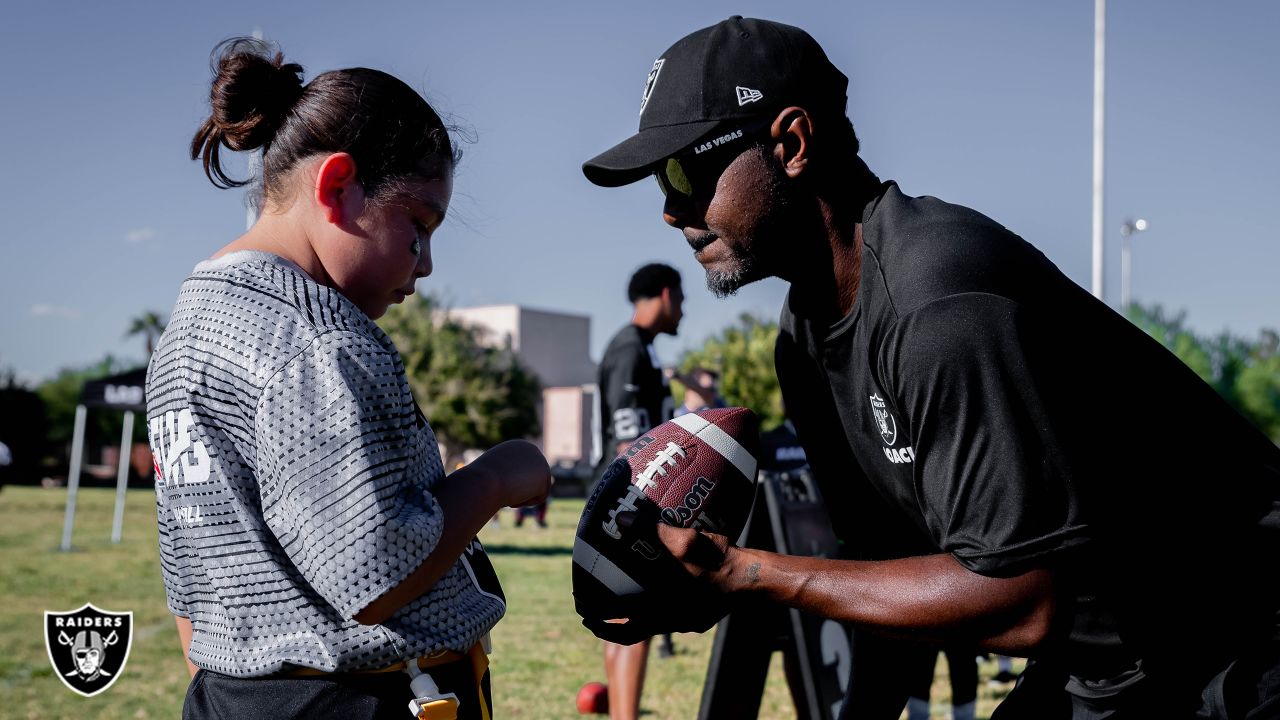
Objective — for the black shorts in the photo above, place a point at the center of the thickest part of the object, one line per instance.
(354, 696)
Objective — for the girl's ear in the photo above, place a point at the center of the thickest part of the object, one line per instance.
(334, 184)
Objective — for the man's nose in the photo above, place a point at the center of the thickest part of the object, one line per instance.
(679, 211)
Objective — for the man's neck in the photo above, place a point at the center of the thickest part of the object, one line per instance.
(826, 286)
(843, 219)
(646, 330)
(847, 261)
(646, 316)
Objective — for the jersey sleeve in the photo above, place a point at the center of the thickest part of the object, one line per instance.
(628, 418)
(341, 466)
(173, 553)
(992, 479)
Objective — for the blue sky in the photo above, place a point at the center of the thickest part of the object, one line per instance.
(984, 103)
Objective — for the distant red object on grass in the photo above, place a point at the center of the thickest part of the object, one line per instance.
(593, 699)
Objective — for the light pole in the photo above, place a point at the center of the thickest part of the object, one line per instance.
(1128, 228)
(1099, 128)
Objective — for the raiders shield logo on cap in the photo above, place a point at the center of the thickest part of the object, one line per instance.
(650, 81)
(88, 647)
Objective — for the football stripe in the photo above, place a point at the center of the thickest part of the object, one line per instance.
(720, 441)
(603, 569)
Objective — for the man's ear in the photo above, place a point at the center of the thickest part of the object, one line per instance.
(793, 129)
(334, 184)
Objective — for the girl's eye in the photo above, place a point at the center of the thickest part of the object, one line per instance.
(415, 247)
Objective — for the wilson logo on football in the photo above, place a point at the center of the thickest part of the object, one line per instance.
(680, 515)
(666, 458)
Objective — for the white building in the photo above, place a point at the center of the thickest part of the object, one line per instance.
(555, 346)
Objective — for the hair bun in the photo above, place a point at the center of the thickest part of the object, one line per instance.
(253, 91)
(258, 101)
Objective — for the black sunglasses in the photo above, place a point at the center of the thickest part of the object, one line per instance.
(696, 169)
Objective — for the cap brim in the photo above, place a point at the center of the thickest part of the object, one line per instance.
(636, 157)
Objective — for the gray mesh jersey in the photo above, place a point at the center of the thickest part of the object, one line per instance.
(294, 478)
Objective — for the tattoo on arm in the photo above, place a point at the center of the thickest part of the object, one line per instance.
(753, 573)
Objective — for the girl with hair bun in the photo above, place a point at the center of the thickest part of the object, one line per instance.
(314, 553)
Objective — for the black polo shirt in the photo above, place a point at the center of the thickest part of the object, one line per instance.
(976, 401)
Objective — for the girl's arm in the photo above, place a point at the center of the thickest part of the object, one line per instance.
(184, 637)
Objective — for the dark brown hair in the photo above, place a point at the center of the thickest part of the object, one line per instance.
(650, 280)
(259, 101)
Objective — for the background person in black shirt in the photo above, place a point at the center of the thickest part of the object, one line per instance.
(1013, 463)
(634, 397)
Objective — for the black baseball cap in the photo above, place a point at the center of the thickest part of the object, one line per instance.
(713, 79)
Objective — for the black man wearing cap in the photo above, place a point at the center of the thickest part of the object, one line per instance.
(1009, 462)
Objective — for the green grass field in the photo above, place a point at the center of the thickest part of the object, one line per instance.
(542, 654)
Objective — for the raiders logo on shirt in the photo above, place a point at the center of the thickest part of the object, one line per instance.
(884, 420)
(888, 428)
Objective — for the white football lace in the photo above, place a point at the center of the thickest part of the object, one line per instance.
(643, 481)
(666, 456)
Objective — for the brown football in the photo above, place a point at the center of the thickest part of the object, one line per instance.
(695, 471)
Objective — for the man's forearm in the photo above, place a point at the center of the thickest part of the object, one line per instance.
(930, 596)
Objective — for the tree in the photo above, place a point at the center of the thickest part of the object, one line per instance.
(61, 395)
(1258, 385)
(149, 326)
(743, 355)
(1246, 374)
(474, 395)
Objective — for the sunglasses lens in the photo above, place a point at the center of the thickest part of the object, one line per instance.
(677, 179)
